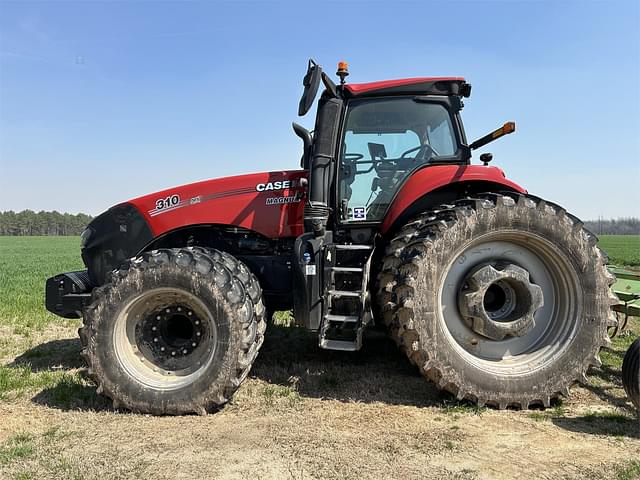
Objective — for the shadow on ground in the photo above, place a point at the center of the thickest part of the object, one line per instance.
(54, 355)
(73, 392)
(59, 362)
(601, 424)
(377, 373)
(290, 356)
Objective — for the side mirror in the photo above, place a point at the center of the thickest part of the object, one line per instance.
(311, 83)
(305, 135)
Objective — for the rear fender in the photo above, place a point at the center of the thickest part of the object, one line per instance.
(434, 185)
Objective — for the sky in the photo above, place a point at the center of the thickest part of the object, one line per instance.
(105, 101)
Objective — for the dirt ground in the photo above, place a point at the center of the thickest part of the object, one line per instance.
(306, 413)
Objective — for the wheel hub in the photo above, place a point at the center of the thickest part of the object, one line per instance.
(171, 337)
(499, 301)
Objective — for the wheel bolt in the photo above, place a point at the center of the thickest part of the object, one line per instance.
(167, 310)
(155, 339)
(189, 313)
(173, 353)
(184, 351)
(193, 344)
(179, 309)
(197, 322)
(162, 349)
(154, 328)
(158, 318)
(198, 334)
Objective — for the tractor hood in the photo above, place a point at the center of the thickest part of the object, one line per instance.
(262, 202)
(268, 203)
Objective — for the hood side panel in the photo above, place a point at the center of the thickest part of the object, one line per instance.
(270, 203)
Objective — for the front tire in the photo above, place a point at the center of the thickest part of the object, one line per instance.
(176, 331)
(501, 300)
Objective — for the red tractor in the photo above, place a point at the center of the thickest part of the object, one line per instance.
(498, 296)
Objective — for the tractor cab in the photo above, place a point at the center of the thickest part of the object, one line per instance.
(369, 140)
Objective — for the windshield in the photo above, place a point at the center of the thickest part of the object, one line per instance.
(384, 141)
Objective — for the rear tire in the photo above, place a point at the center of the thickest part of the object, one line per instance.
(175, 331)
(631, 373)
(431, 264)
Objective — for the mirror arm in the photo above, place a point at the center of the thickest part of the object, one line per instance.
(329, 85)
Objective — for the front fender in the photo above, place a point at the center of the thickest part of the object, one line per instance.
(432, 178)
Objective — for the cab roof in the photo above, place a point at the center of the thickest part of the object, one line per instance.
(410, 86)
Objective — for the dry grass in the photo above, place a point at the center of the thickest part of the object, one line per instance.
(306, 413)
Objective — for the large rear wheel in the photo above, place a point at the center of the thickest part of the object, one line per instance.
(501, 300)
(176, 331)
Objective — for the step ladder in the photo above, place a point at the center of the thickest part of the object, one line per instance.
(346, 297)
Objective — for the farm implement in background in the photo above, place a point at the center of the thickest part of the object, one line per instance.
(627, 289)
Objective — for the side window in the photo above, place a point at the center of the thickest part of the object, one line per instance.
(440, 138)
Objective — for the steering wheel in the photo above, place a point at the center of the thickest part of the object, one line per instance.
(422, 150)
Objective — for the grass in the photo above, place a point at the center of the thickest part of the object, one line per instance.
(607, 416)
(25, 264)
(613, 357)
(623, 250)
(372, 405)
(629, 471)
(16, 447)
(26, 453)
(16, 379)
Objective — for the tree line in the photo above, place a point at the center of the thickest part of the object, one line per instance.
(615, 226)
(28, 222)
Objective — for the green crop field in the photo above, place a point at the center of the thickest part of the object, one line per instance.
(371, 407)
(622, 249)
(25, 264)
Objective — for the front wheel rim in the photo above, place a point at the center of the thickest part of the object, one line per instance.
(165, 338)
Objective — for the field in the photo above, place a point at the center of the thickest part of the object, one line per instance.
(302, 414)
(622, 249)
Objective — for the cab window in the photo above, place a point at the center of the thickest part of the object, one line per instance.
(384, 141)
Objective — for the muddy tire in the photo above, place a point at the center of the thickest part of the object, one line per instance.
(631, 373)
(502, 300)
(175, 331)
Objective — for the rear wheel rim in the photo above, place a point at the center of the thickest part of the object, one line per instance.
(556, 322)
(165, 338)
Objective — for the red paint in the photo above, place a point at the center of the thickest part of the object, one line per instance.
(229, 201)
(357, 88)
(235, 201)
(431, 178)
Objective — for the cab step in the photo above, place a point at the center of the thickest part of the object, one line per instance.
(347, 269)
(343, 345)
(345, 293)
(339, 246)
(342, 318)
